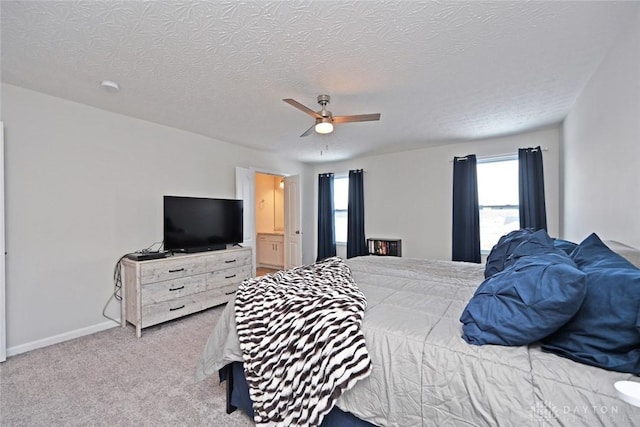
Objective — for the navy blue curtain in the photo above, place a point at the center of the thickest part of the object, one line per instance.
(326, 228)
(356, 241)
(466, 213)
(533, 212)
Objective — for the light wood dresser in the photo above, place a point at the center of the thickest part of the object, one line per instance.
(163, 289)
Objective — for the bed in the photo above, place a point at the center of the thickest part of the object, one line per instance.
(424, 373)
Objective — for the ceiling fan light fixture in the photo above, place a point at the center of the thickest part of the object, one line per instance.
(324, 125)
(324, 120)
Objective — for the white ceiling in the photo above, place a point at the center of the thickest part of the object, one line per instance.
(437, 71)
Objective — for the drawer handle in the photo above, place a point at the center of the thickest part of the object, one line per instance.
(177, 270)
(230, 293)
(229, 261)
(177, 289)
(229, 277)
(177, 308)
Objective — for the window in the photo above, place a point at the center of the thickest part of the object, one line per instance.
(498, 199)
(340, 204)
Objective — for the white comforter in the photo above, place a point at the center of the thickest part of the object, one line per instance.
(424, 373)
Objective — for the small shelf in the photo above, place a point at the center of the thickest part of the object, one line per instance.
(385, 247)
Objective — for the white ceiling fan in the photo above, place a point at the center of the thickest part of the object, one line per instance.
(324, 119)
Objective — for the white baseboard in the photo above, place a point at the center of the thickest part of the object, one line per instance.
(23, 348)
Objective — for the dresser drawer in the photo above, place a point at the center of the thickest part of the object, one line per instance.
(166, 290)
(223, 294)
(222, 278)
(167, 269)
(230, 259)
(157, 313)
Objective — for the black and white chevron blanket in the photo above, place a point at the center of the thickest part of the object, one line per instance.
(299, 332)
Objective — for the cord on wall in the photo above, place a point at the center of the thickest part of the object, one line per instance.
(117, 288)
(117, 278)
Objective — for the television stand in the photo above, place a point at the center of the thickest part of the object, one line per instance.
(155, 291)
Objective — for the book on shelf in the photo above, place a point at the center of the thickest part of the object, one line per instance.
(384, 247)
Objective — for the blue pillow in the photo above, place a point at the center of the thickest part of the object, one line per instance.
(605, 332)
(501, 251)
(565, 245)
(525, 302)
(592, 253)
(535, 243)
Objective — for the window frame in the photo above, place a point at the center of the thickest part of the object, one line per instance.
(335, 210)
(495, 159)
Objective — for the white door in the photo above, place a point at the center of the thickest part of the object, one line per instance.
(245, 190)
(3, 331)
(292, 228)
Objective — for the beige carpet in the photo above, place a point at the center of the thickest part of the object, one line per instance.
(112, 378)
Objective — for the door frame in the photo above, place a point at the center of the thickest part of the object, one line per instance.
(3, 306)
(293, 221)
(250, 208)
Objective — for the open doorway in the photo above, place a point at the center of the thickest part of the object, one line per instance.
(246, 190)
(269, 223)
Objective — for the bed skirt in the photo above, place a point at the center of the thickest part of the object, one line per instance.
(238, 397)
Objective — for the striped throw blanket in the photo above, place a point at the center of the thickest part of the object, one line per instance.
(299, 332)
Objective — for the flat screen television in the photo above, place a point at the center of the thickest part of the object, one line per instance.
(196, 224)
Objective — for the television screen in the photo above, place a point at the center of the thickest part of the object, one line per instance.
(193, 224)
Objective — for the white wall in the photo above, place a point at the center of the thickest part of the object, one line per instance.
(265, 203)
(83, 187)
(408, 195)
(601, 145)
(269, 203)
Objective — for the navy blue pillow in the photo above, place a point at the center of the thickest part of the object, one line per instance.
(565, 245)
(592, 253)
(535, 243)
(501, 251)
(605, 332)
(525, 302)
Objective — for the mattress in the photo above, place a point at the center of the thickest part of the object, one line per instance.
(425, 374)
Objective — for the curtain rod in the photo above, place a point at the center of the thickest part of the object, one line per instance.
(342, 174)
(511, 154)
(498, 155)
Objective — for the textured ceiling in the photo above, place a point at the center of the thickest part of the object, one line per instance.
(436, 71)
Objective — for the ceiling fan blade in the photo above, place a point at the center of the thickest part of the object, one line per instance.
(302, 108)
(308, 131)
(356, 118)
